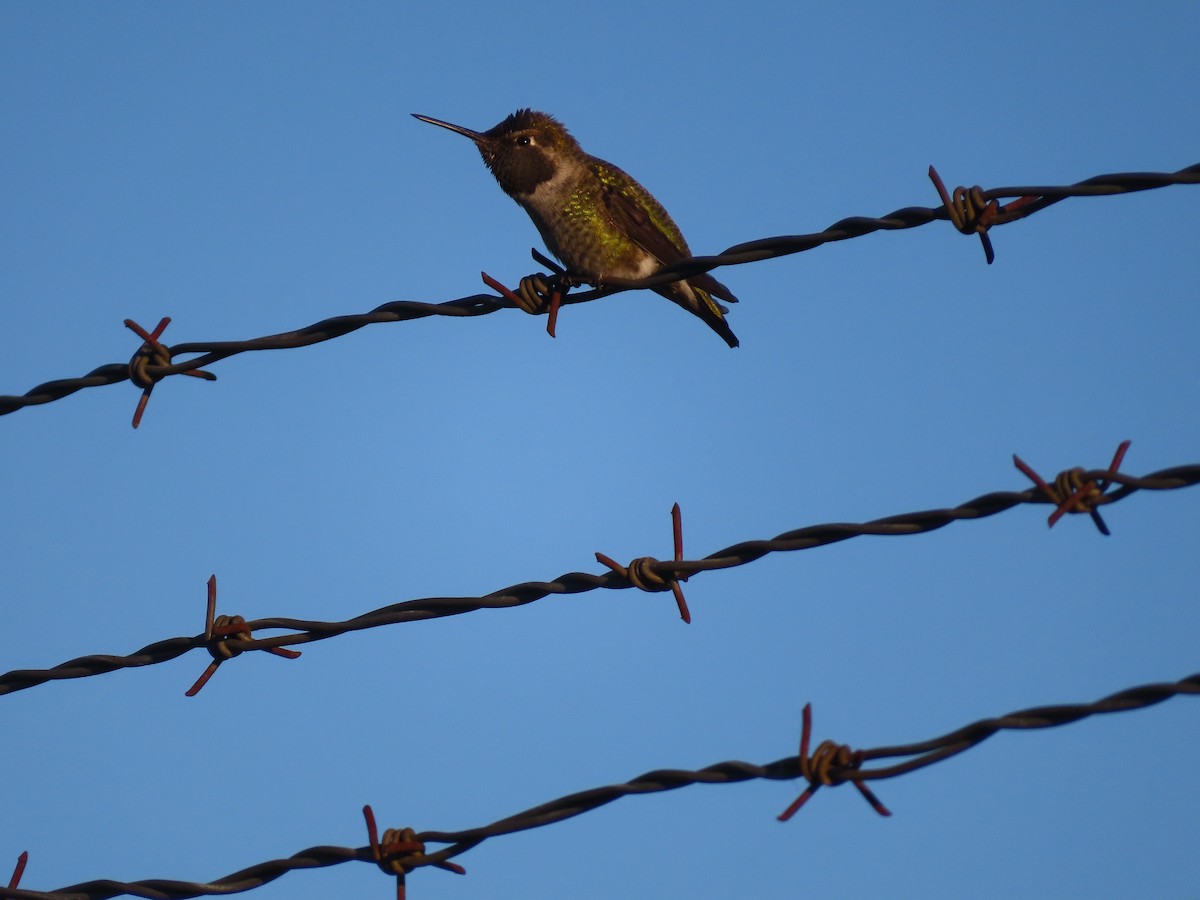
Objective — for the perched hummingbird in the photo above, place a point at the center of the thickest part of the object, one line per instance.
(591, 215)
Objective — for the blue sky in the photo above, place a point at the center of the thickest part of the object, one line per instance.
(251, 168)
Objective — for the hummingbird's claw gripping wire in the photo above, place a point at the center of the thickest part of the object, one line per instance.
(972, 214)
(400, 852)
(536, 294)
(1071, 493)
(644, 573)
(829, 764)
(152, 353)
(546, 294)
(218, 630)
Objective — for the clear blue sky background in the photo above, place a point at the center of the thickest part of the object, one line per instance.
(251, 168)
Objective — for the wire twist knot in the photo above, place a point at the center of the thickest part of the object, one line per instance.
(150, 353)
(1076, 493)
(399, 851)
(969, 211)
(830, 764)
(642, 575)
(224, 628)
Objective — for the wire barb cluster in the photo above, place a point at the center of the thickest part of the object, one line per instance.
(1073, 491)
(643, 573)
(829, 764)
(145, 368)
(218, 630)
(971, 211)
(402, 850)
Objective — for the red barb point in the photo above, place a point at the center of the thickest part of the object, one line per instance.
(870, 797)
(151, 337)
(19, 870)
(552, 321)
(677, 535)
(212, 606)
(677, 530)
(202, 680)
(797, 804)
(501, 289)
(681, 603)
(611, 563)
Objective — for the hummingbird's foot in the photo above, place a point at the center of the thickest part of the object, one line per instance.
(525, 298)
(536, 294)
(546, 294)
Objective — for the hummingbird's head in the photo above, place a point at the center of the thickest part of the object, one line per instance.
(527, 149)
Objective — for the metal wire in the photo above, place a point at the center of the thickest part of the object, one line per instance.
(305, 630)
(923, 753)
(1033, 199)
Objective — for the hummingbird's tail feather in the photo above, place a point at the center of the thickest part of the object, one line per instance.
(698, 301)
(711, 314)
(706, 282)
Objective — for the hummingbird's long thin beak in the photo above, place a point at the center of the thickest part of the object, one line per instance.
(465, 132)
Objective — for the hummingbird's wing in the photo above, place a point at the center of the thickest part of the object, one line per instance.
(639, 215)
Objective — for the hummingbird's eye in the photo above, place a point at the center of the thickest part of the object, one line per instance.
(525, 140)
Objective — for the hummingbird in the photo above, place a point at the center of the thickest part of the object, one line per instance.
(591, 215)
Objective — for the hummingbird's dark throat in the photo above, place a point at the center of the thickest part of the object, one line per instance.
(518, 169)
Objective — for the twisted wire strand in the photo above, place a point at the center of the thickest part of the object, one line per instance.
(306, 630)
(657, 781)
(483, 304)
(900, 219)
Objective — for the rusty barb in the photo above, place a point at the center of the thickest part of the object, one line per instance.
(1071, 492)
(538, 293)
(830, 764)
(971, 213)
(645, 572)
(217, 631)
(152, 353)
(19, 870)
(400, 852)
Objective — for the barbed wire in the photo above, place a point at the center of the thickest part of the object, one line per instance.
(403, 850)
(647, 573)
(972, 210)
